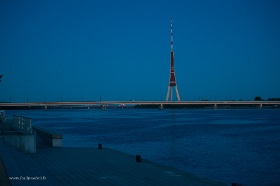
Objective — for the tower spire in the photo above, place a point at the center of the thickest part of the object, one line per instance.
(172, 79)
(171, 35)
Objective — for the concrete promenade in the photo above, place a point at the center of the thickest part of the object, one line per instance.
(87, 166)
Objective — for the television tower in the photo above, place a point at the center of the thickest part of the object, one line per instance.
(172, 79)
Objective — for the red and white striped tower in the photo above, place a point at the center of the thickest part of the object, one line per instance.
(172, 79)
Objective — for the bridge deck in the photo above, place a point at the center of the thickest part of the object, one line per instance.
(90, 103)
(89, 166)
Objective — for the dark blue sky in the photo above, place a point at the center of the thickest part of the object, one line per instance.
(81, 50)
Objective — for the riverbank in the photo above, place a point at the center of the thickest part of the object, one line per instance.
(89, 166)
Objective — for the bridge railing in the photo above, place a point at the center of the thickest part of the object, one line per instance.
(22, 124)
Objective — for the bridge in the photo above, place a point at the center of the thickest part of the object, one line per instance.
(214, 104)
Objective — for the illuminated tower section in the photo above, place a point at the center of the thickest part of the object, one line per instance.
(172, 80)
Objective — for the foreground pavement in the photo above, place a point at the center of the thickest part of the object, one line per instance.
(88, 166)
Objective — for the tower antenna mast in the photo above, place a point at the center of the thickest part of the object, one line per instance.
(172, 79)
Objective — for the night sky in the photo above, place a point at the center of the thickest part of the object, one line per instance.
(120, 50)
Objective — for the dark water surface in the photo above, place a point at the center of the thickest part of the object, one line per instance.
(240, 146)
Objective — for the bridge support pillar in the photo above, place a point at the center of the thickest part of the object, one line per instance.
(103, 107)
(215, 106)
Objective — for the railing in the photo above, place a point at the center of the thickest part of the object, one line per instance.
(22, 124)
(2, 116)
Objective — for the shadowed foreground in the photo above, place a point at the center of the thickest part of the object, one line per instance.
(88, 166)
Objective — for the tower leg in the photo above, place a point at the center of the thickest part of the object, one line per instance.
(171, 95)
(177, 93)
(168, 93)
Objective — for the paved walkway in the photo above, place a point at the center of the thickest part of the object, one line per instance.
(89, 166)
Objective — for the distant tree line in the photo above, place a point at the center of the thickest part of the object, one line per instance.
(258, 98)
(273, 99)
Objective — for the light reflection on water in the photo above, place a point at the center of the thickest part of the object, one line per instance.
(227, 145)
